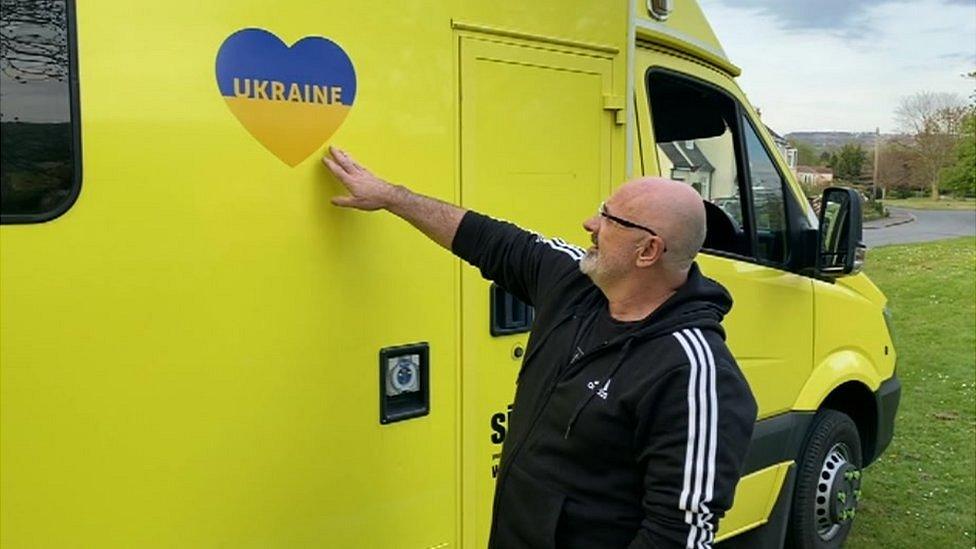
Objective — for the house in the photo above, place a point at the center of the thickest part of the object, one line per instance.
(814, 175)
(688, 164)
(788, 151)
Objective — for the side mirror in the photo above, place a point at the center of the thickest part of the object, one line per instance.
(840, 251)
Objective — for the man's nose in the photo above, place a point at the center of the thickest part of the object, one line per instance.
(592, 224)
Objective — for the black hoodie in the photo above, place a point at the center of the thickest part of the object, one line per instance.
(637, 443)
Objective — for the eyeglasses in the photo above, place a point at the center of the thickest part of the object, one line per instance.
(629, 224)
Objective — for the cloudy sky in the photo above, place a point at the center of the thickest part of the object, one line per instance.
(844, 64)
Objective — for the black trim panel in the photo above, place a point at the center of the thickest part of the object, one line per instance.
(886, 399)
(776, 439)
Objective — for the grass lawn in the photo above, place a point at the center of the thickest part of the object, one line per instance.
(929, 204)
(922, 491)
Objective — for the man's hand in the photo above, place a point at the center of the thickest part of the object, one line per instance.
(366, 191)
(438, 220)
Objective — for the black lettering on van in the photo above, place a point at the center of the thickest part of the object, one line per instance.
(500, 423)
(498, 426)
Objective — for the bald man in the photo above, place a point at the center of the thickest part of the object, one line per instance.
(631, 419)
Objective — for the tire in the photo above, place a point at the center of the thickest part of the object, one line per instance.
(827, 484)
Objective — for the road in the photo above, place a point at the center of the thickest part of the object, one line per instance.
(928, 225)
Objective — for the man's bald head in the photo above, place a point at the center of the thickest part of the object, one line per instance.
(673, 209)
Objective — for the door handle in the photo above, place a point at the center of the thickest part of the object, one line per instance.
(509, 314)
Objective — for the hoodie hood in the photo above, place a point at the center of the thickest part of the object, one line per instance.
(700, 302)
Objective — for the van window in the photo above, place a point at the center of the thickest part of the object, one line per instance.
(694, 129)
(704, 138)
(39, 170)
(767, 198)
(708, 165)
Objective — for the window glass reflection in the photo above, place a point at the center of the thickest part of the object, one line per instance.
(767, 199)
(37, 156)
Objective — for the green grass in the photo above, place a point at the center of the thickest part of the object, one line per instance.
(922, 491)
(929, 204)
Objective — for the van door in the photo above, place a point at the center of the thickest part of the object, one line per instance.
(720, 151)
(701, 131)
(535, 149)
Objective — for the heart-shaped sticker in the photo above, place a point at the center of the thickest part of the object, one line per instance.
(292, 100)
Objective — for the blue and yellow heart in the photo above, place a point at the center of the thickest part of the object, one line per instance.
(292, 100)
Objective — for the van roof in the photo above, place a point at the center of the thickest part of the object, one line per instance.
(685, 29)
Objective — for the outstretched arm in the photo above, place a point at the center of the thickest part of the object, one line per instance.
(522, 262)
(438, 220)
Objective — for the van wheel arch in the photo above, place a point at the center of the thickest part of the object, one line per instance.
(857, 401)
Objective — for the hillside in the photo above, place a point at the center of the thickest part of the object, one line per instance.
(831, 140)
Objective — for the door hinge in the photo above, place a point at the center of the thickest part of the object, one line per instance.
(615, 104)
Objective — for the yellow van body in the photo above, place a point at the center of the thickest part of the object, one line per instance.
(188, 353)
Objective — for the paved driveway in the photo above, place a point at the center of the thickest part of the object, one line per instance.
(928, 225)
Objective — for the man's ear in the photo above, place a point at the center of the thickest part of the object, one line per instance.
(650, 252)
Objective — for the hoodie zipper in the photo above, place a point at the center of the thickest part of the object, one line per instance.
(589, 396)
(536, 414)
(575, 363)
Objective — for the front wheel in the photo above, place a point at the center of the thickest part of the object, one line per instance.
(828, 483)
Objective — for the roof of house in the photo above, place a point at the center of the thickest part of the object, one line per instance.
(686, 159)
(677, 159)
(775, 135)
(698, 159)
(815, 169)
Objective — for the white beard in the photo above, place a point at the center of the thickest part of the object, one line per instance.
(589, 264)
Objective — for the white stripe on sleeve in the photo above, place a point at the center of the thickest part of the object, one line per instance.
(699, 471)
(702, 441)
(561, 246)
(689, 449)
(712, 430)
(575, 248)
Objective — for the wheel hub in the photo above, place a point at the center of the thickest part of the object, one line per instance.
(838, 492)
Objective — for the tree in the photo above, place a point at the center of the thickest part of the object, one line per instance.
(825, 158)
(960, 176)
(933, 120)
(850, 162)
(897, 167)
(806, 154)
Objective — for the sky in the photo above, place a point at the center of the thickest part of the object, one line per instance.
(807, 64)
(844, 65)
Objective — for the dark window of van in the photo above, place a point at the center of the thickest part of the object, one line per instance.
(39, 140)
(704, 138)
(767, 198)
(695, 129)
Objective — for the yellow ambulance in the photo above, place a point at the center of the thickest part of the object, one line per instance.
(198, 350)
